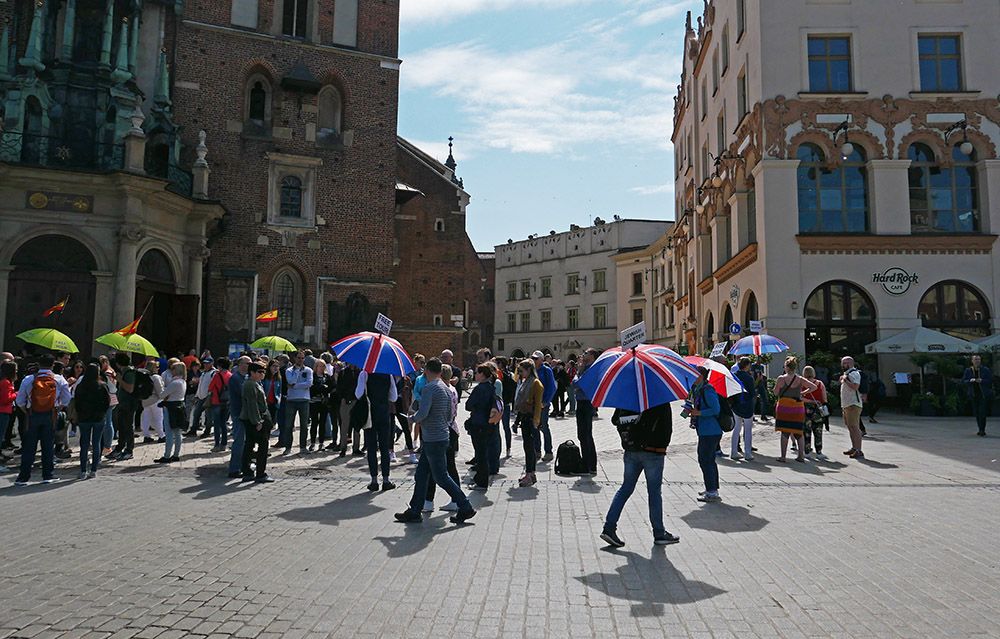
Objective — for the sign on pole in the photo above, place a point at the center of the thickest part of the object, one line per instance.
(735, 328)
(634, 335)
(756, 326)
(383, 324)
(718, 350)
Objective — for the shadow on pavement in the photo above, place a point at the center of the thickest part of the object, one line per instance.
(756, 465)
(661, 584)
(212, 482)
(586, 485)
(36, 486)
(875, 464)
(516, 493)
(724, 518)
(417, 537)
(332, 513)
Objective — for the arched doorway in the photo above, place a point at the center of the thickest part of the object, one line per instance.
(840, 319)
(171, 321)
(727, 320)
(47, 269)
(517, 355)
(957, 309)
(709, 332)
(353, 315)
(751, 314)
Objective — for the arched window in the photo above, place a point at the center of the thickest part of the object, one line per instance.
(832, 199)
(942, 199)
(258, 101)
(710, 331)
(291, 196)
(154, 268)
(957, 309)
(840, 319)
(751, 314)
(57, 253)
(330, 110)
(32, 142)
(727, 319)
(284, 301)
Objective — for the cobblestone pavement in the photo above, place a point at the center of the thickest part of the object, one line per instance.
(901, 545)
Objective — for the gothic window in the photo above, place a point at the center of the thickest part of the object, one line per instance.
(832, 199)
(330, 109)
(284, 301)
(258, 98)
(291, 196)
(943, 199)
(294, 15)
(257, 105)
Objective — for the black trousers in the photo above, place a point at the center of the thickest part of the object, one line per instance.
(981, 408)
(255, 448)
(528, 435)
(126, 427)
(378, 441)
(317, 424)
(481, 446)
(585, 433)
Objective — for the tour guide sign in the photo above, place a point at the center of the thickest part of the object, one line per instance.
(633, 336)
(895, 280)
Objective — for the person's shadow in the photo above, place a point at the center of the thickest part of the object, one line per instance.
(586, 485)
(332, 513)
(724, 518)
(416, 537)
(877, 465)
(661, 583)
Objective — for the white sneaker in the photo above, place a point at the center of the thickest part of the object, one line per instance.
(413, 459)
(50, 481)
(450, 507)
(428, 506)
(748, 458)
(392, 457)
(821, 457)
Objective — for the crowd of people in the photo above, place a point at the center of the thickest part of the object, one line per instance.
(243, 404)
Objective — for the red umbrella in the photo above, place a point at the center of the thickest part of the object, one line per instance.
(720, 377)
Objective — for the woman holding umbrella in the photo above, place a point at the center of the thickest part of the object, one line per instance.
(705, 413)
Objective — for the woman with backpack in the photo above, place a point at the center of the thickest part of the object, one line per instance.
(92, 399)
(528, 407)
(790, 411)
(704, 411)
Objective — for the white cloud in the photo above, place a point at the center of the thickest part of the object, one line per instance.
(420, 11)
(438, 149)
(663, 12)
(654, 189)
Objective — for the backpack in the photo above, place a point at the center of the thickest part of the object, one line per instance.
(143, 387)
(496, 413)
(568, 459)
(725, 417)
(43, 394)
(864, 386)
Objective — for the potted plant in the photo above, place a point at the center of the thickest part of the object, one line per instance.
(925, 405)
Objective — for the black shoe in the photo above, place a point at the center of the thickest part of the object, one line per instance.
(343, 453)
(357, 453)
(246, 478)
(372, 487)
(462, 516)
(981, 433)
(408, 517)
(471, 462)
(175, 458)
(235, 475)
(162, 460)
(612, 538)
(387, 485)
(331, 447)
(124, 456)
(264, 479)
(148, 440)
(666, 539)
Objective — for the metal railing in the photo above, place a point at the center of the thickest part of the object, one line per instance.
(181, 181)
(68, 152)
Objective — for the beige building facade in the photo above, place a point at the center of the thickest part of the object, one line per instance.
(836, 173)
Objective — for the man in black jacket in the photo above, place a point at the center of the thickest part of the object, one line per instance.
(645, 438)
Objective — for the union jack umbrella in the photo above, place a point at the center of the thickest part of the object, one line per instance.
(639, 378)
(374, 353)
(758, 345)
(720, 377)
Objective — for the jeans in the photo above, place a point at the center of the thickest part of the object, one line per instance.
(220, 415)
(508, 436)
(196, 413)
(706, 459)
(543, 428)
(638, 463)
(294, 407)
(433, 466)
(760, 402)
(256, 448)
(316, 425)
(744, 425)
(41, 428)
(109, 428)
(585, 433)
(378, 441)
(572, 400)
(528, 436)
(90, 437)
(981, 408)
(236, 451)
(279, 419)
(452, 469)
(174, 437)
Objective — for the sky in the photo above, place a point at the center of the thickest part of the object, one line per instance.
(561, 110)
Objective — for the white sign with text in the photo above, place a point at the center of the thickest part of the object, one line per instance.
(383, 324)
(718, 350)
(634, 335)
(756, 326)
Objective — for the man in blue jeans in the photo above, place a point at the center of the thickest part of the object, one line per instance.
(434, 417)
(299, 379)
(548, 379)
(645, 438)
(54, 391)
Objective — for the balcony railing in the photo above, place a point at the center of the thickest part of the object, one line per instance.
(181, 181)
(65, 152)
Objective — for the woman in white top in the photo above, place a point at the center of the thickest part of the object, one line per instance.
(172, 398)
(152, 415)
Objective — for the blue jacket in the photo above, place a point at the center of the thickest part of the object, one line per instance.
(548, 379)
(986, 386)
(236, 393)
(481, 401)
(707, 401)
(743, 403)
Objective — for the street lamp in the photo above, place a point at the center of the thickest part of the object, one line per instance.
(965, 147)
(846, 149)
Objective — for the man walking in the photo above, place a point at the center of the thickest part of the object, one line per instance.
(585, 414)
(381, 392)
(645, 438)
(300, 379)
(851, 404)
(548, 379)
(434, 416)
(40, 396)
(979, 379)
(236, 407)
(256, 424)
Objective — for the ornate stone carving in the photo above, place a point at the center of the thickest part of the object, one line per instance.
(131, 232)
(201, 149)
(197, 252)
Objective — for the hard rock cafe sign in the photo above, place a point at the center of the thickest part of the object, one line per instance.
(895, 280)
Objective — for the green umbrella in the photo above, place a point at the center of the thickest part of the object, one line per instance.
(275, 343)
(49, 338)
(133, 343)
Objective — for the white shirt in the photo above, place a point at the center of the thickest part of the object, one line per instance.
(359, 392)
(154, 399)
(203, 382)
(848, 395)
(174, 390)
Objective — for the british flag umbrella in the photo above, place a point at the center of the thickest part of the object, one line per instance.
(639, 378)
(758, 345)
(374, 353)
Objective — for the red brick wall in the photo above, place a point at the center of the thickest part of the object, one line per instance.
(355, 186)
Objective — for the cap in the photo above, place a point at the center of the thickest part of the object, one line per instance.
(537, 355)
(207, 360)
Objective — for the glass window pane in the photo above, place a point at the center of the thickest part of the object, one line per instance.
(928, 75)
(817, 46)
(941, 199)
(807, 199)
(833, 221)
(817, 76)
(927, 44)
(940, 178)
(807, 221)
(947, 45)
(840, 75)
(965, 199)
(916, 177)
(838, 302)
(815, 307)
(973, 309)
(860, 309)
(968, 222)
(856, 199)
(809, 153)
(944, 221)
(830, 178)
(839, 46)
(857, 221)
(950, 74)
(965, 176)
(831, 199)
(949, 298)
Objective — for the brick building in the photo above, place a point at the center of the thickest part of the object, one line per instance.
(444, 292)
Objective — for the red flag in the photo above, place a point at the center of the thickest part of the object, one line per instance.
(269, 316)
(58, 308)
(131, 329)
